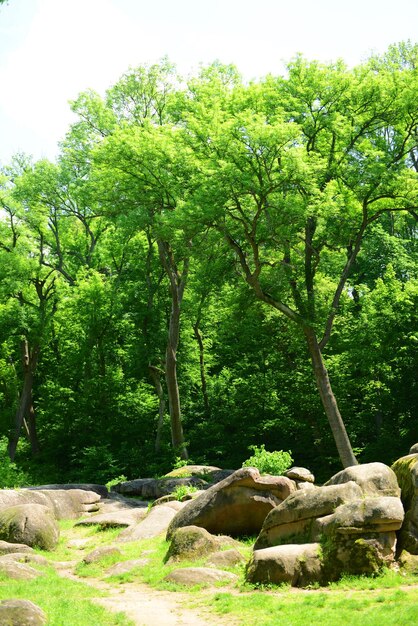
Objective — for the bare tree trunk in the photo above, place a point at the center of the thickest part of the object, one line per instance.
(25, 406)
(177, 436)
(329, 401)
(203, 384)
(177, 285)
(155, 374)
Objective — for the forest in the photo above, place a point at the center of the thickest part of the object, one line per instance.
(211, 265)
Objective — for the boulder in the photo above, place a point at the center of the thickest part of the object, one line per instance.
(414, 449)
(408, 562)
(18, 571)
(373, 478)
(25, 557)
(292, 521)
(226, 558)
(125, 567)
(101, 553)
(376, 515)
(156, 523)
(194, 542)
(297, 565)
(191, 576)
(21, 613)
(101, 490)
(34, 525)
(65, 504)
(235, 506)
(9, 548)
(121, 518)
(153, 488)
(406, 470)
(300, 474)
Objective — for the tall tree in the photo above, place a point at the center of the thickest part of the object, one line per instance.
(296, 170)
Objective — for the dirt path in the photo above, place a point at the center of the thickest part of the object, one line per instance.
(150, 607)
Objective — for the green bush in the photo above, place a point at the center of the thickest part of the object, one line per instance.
(10, 475)
(275, 463)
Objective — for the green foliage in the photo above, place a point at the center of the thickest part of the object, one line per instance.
(183, 490)
(115, 481)
(275, 463)
(11, 476)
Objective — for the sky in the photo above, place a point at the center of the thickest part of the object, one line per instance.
(51, 50)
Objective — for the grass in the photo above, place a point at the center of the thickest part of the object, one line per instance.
(64, 601)
(390, 599)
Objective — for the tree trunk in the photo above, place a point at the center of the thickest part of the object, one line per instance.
(25, 406)
(177, 437)
(155, 374)
(203, 384)
(329, 401)
(177, 286)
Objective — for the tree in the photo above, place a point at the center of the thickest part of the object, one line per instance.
(295, 172)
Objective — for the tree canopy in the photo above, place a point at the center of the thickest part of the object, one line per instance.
(210, 265)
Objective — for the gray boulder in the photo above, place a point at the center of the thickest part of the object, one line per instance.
(21, 613)
(156, 523)
(226, 558)
(373, 478)
(300, 474)
(17, 571)
(293, 520)
(235, 506)
(121, 518)
(9, 548)
(65, 504)
(101, 553)
(34, 525)
(153, 488)
(194, 542)
(206, 576)
(298, 565)
(406, 470)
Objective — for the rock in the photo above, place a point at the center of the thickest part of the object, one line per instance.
(299, 565)
(101, 490)
(21, 613)
(24, 557)
(8, 548)
(300, 474)
(373, 478)
(156, 523)
(191, 576)
(414, 449)
(153, 488)
(201, 471)
(18, 571)
(101, 553)
(406, 470)
(292, 521)
(193, 542)
(357, 555)
(34, 525)
(126, 567)
(226, 558)
(235, 506)
(65, 504)
(121, 518)
(381, 515)
(408, 562)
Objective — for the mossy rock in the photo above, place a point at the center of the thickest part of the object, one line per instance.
(406, 470)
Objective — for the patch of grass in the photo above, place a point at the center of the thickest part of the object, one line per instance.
(357, 608)
(64, 601)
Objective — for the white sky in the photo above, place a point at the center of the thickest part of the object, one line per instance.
(50, 50)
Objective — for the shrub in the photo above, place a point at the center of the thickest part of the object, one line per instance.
(10, 475)
(275, 463)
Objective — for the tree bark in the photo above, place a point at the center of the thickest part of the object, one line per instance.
(329, 401)
(25, 405)
(177, 286)
(155, 374)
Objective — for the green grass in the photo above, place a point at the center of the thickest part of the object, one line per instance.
(64, 601)
(390, 599)
(395, 607)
